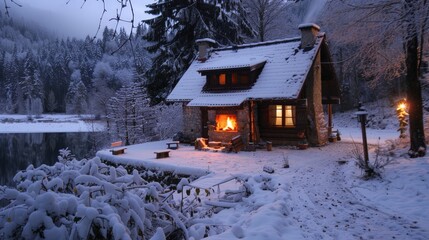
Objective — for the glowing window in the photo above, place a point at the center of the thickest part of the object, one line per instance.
(234, 78)
(289, 121)
(279, 115)
(222, 79)
(282, 115)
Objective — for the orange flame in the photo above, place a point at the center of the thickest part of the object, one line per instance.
(226, 122)
(230, 125)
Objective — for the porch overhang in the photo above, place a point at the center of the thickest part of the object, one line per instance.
(218, 100)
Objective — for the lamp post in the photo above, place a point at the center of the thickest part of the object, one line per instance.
(362, 113)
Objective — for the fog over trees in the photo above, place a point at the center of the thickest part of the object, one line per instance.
(66, 75)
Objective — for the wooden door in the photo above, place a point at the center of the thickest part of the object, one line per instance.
(204, 123)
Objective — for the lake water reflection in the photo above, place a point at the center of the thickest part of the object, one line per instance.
(18, 150)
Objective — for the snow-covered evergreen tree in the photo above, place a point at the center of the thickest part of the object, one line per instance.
(11, 75)
(169, 119)
(176, 27)
(51, 102)
(130, 116)
(77, 95)
(37, 107)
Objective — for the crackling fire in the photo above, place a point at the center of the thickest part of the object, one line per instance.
(226, 122)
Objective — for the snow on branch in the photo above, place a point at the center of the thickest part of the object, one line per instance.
(85, 199)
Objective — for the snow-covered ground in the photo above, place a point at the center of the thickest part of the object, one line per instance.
(49, 123)
(321, 195)
(317, 197)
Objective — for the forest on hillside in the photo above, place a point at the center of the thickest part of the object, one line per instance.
(64, 75)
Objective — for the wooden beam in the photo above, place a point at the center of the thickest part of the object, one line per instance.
(329, 120)
(331, 101)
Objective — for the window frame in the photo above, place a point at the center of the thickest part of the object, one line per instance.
(234, 80)
(282, 115)
(230, 79)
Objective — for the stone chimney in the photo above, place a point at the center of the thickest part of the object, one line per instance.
(204, 46)
(309, 33)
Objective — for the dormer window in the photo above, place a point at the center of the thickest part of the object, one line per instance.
(234, 79)
(222, 79)
(230, 80)
(231, 75)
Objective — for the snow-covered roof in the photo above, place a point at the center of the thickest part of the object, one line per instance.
(286, 68)
(230, 63)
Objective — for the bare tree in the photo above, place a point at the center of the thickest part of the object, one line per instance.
(388, 37)
(414, 92)
(264, 14)
(121, 7)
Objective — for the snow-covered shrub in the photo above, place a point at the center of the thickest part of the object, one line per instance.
(90, 199)
(65, 155)
(373, 168)
(86, 199)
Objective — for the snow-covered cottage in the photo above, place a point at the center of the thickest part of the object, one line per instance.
(269, 91)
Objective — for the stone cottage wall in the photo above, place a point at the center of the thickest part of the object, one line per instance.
(192, 122)
(317, 132)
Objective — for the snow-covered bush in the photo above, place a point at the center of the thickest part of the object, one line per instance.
(374, 168)
(90, 199)
(86, 199)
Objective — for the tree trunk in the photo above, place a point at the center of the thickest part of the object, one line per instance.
(414, 94)
(261, 27)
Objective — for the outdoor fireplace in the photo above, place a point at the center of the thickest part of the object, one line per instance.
(226, 122)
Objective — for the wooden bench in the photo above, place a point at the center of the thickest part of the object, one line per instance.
(215, 144)
(173, 145)
(117, 148)
(118, 151)
(162, 154)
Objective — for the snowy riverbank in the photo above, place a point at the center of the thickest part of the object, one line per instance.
(50, 123)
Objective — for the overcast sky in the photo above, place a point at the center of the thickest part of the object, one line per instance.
(73, 19)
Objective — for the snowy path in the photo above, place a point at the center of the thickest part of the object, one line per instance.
(324, 207)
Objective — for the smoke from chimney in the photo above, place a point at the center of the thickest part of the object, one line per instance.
(314, 10)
